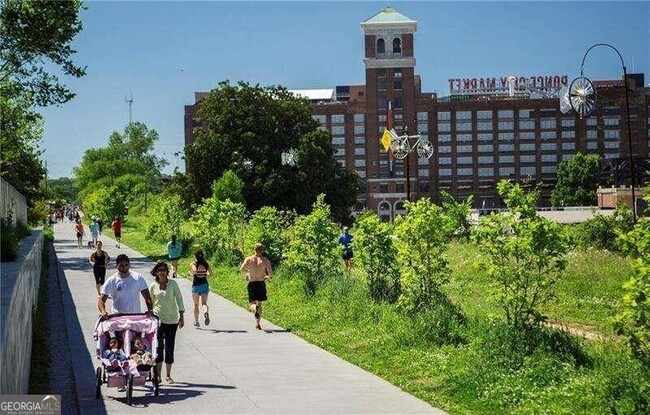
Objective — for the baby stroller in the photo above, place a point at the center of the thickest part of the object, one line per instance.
(126, 328)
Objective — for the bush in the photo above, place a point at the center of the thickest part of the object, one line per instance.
(165, 218)
(601, 232)
(263, 228)
(10, 237)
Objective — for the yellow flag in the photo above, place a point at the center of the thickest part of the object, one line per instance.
(386, 139)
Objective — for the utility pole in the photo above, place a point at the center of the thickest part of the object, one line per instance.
(129, 101)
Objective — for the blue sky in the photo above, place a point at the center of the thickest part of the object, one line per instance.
(162, 52)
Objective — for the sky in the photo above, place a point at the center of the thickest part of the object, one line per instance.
(160, 53)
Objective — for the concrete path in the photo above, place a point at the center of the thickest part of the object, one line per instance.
(226, 367)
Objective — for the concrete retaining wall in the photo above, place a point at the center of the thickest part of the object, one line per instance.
(12, 203)
(19, 295)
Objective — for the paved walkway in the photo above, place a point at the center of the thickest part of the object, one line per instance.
(227, 367)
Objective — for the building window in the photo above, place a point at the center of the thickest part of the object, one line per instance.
(361, 173)
(464, 160)
(397, 73)
(339, 152)
(423, 128)
(567, 157)
(381, 84)
(444, 161)
(483, 126)
(568, 122)
(322, 119)
(359, 140)
(338, 119)
(527, 125)
(423, 161)
(464, 115)
(485, 148)
(444, 149)
(398, 102)
(444, 116)
(549, 158)
(397, 45)
(485, 137)
(484, 115)
(527, 159)
(612, 134)
(360, 151)
(506, 136)
(506, 125)
(486, 171)
(549, 169)
(383, 188)
(444, 172)
(486, 159)
(547, 124)
(381, 73)
(464, 149)
(359, 163)
(506, 114)
(423, 173)
(592, 135)
(506, 147)
(360, 118)
(611, 121)
(592, 145)
(446, 127)
(506, 171)
(525, 114)
(527, 147)
(549, 146)
(527, 171)
(568, 134)
(548, 135)
(527, 136)
(338, 130)
(422, 116)
(464, 138)
(359, 129)
(506, 159)
(381, 46)
(463, 126)
(444, 138)
(611, 145)
(611, 156)
(397, 85)
(338, 141)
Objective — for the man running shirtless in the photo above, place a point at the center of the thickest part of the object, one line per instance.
(257, 270)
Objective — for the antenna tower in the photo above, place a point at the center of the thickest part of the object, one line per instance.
(129, 101)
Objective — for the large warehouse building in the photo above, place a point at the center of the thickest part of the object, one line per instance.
(485, 130)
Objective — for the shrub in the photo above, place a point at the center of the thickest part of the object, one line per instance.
(525, 255)
(601, 232)
(263, 228)
(165, 216)
(376, 252)
(313, 249)
(105, 202)
(458, 214)
(10, 244)
(422, 237)
(219, 229)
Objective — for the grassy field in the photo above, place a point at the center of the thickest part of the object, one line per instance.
(480, 373)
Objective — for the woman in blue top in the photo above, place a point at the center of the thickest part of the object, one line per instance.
(174, 249)
(200, 270)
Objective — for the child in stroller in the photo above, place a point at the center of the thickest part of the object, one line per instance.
(138, 334)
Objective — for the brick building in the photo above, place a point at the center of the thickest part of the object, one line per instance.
(487, 129)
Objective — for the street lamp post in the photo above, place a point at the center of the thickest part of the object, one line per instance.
(582, 98)
(402, 147)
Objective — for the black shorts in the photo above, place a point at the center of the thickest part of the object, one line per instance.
(79, 234)
(348, 254)
(100, 274)
(118, 234)
(256, 291)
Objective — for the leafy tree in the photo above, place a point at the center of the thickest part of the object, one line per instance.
(21, 131)
(314, 249)
(219, 228)
(458, 213)
(577, 181)
(105, 202)
(228, 187)
(166, 216)
(633, 318)
(263, 228)
(422, 238)
(525, 255)
(36, 36)
(246, 129)
(377, 254)
(61, 189)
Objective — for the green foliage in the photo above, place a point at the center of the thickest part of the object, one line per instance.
(38, 212)
(314, 249)
(577, 181)
(105, 203)
(422, 238)
(36, 36)
(525, 255)
(10, 237)
(246, 129)
(166, 215)
(459, 214)
(21, 131)
(601, 232)
(633, 319)
(62, 190)
(228, 187)
(377, 254)
(263, 228)
(218, 229)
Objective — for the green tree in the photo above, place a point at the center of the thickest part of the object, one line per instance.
(263, 228)
(314, 249)
(377, 254)
(228, 187)
(21, 131)
(35, 40)
(422, 238)
(61, 189)
(525, 255)
(165, 217)
(246, 129)
(458, 213)
(633, 318)
(577, 181)
(104, 203)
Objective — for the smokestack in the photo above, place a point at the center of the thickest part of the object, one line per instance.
(511, 86)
